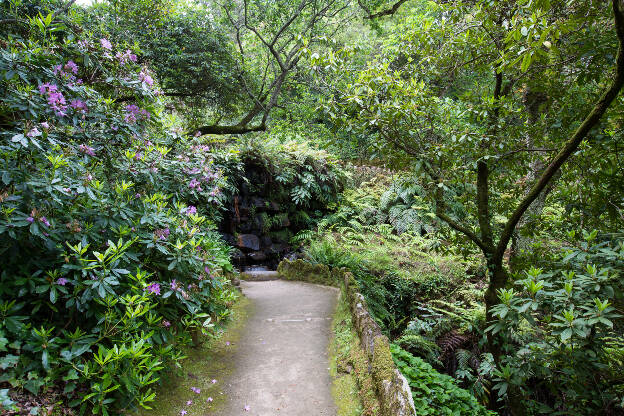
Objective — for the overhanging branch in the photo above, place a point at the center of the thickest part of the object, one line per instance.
(387, 12)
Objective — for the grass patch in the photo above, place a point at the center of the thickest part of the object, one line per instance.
(211, 361)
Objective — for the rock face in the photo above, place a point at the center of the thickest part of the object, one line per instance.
(248, 241)
(258, 228)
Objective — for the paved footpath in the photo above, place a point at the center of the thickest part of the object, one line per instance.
(281, 360)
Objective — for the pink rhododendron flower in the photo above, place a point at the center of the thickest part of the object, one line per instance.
(153, 288)
(34, 132)
(30, 219)
(47, 87)
(71, 67)
(87, 150)
(191, 210)
(146, 78)
(125, 57)
(45, 221)
(61, 281)
(56, 100)
(106, 44)
(166, 323)
(79, 105)
(45, 125)
(195, 184)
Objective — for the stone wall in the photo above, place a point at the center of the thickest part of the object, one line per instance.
(391, 386)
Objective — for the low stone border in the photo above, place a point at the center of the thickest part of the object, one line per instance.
(391, 386)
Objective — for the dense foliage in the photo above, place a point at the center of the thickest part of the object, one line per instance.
(107, 268)
(479, 141)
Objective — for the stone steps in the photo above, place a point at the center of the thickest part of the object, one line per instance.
(259, 275)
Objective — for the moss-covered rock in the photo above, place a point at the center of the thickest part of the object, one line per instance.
(306, 272)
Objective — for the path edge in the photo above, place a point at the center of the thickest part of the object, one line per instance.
(391, 387)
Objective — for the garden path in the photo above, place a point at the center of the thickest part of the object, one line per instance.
(281, 360)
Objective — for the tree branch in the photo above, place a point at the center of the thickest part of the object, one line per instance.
(237, 129)
(388, 12)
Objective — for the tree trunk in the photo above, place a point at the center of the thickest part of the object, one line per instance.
(498, 280)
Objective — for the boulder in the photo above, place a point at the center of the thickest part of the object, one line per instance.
(257, 256)
(266, 241)
(248, 241)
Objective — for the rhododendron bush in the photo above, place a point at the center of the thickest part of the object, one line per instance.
(110, 261)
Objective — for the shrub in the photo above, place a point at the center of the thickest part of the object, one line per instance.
(562, 332)
(107, 270)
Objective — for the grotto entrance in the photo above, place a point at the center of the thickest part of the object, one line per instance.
(259, 230)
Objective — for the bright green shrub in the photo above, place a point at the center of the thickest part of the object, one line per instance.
(434, 393)
(562, 328)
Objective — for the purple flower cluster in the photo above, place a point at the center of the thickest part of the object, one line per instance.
(195, 184)
(87, 150)
(133, 112)
(153, 288)
(79, 105)
(126, 57)
(45, 221)
(71, 66)
(34, 132)
(61, 281)
(83, 44)
(211, 176)
(68, 72)
(162, 234)
(56, 100)
(146, 78)
(191, 210)
(166, 323)
(106, 44)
